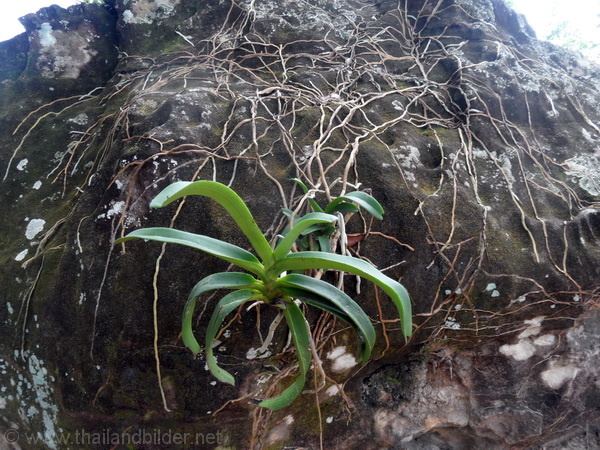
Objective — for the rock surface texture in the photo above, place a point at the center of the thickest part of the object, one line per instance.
(481, 143)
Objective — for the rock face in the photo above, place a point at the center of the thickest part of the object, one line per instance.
(482, 144)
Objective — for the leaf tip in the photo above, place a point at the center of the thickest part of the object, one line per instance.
(157, 203)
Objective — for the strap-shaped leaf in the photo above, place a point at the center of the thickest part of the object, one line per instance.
(301, 337)
(341, 300)
(223, 280)
(346, 207)
(324, 243)
(317, 301)
(313, 204)
(224, 250)
(332, 261)
(309, 220)
(228, 199)
(289, 213)
(361, 198)
(323, 229)
(227, 304)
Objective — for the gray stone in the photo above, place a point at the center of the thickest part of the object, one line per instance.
(481, 143)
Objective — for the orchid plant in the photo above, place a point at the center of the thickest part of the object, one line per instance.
(273, 276)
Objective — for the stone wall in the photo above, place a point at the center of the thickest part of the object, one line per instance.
(481, 143)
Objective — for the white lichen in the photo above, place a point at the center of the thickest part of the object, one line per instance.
(128, 16)
(533, 329)
(116, 208)
(490, 287)
(342, 361)
(586, 169)
(22, 164)
(587, 136)
(409, 156)
(34, 227)
(557, 375)
(332, 390)
(479, 153)
(398, 106)
(21, 256)
(251, 353)
(504, 160)
(452, 324)
(520, 351)
(47, 39)
(545, 341)
(80, 119)
(288, 420)
(34, 394)
(525, 348)
(336, 352)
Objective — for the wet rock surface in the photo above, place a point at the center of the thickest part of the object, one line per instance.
(481, 143)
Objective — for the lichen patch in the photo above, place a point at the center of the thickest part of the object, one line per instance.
(22, 164)
(47, 39)
(557, 375)
(341, 361)
(34, 227)
(21, 255)
(520, 351)
(63, 54)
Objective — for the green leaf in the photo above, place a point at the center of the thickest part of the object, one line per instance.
(227, 304)
(317, 301)
(309, 220)
(301, 337)
(288, 213)
(319, 229)
(340, 300)
(223, 280)
(228, 199)
(300, 183)
(361, 198)
(324, 244)
(313, 204)
(332, 261)
(346, 207)
(224, 250)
